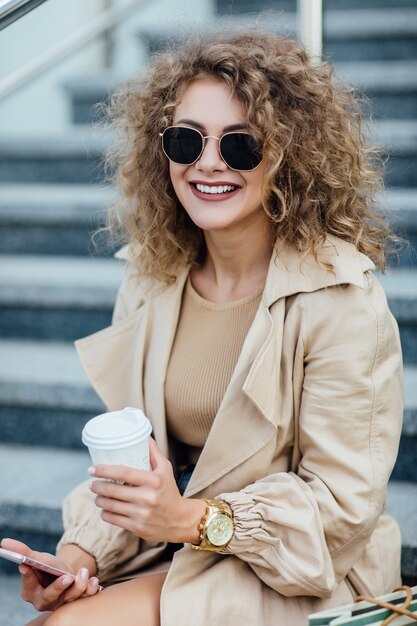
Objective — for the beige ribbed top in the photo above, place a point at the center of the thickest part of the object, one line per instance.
(206, 348)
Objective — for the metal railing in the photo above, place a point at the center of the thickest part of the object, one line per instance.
(12, 10)
(310, 27)
(103, 23)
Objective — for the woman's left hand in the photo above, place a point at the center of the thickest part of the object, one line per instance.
(148, 504)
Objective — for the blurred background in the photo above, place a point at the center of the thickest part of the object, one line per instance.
(56, 62)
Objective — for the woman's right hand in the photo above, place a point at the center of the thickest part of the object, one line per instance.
(61, 591)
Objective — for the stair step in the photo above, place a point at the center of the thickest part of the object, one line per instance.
(402, 505)
(390, 85)
(406, 466)
(56, 297)
(376, 77)
(75, 157)
(33, 484)
(364, 24)
(402, 203)
(45, 396)
(63, 281)
(85, 91)
(53, 219)
(398, 141)
(401, 289)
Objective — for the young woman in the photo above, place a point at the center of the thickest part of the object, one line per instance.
(252, 331)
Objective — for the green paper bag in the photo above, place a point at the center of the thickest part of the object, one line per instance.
(364, 613)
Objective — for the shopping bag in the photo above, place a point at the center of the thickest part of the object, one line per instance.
(401, 611)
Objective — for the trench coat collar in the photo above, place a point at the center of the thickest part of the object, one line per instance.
(247, 418)
(289, 274)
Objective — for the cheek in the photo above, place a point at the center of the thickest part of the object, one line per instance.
(180, 185)
(176, 173)
(254, 187)
(255, 182)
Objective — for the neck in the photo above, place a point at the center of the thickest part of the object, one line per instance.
(236, 263)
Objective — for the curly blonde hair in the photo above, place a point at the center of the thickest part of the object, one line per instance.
(322, 176)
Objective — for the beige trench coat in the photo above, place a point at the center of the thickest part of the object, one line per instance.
(302, 446)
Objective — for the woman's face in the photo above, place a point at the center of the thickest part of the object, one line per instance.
(208, 106)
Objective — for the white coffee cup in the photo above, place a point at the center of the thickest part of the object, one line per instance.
(119, 438)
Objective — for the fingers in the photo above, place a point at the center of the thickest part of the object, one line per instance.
(115, 506)
(92, 587)
(122, 473)
(106, 489)
(125, 493)
(82, 586)
(122, 521)
(131, 475)
(16, 546)
(22, 548)
(42, 598)
(156, 457)
(63, 589)
(29, 583)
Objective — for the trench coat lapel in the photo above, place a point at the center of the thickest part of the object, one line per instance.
(243, 424)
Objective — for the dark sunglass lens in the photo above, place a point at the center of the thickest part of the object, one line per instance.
(240, 151)
(182, 145)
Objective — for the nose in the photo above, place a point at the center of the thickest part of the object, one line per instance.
(210, 159)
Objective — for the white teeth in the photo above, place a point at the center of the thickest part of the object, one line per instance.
(214, 189)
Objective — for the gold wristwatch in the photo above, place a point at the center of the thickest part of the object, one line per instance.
(216, 526)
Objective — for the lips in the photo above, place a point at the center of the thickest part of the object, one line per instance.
(214, 191)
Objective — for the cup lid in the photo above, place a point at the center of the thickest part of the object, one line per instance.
(116, 429)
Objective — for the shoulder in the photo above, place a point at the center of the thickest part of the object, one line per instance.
(137, 288)
(349, 317)
(134, 289)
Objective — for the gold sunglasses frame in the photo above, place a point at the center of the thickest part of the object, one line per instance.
(204, 137)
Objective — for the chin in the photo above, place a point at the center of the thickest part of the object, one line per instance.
(213, 224)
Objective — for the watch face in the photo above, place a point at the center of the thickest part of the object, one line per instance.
(220, 529)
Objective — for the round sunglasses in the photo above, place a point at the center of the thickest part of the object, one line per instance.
(183, 145)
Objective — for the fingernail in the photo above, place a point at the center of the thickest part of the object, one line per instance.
(91, 470)
(94, 582)
(66, 581)
(90, 484)
(84, 573)
(23, 571)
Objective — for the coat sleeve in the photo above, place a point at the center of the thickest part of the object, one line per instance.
(301, 532)
(83, 526)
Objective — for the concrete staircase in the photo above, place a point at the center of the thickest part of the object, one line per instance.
(55, 286)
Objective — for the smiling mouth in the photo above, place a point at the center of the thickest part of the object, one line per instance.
(214, 189)
(214, 192)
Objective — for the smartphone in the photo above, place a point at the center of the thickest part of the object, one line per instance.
(46, 573)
